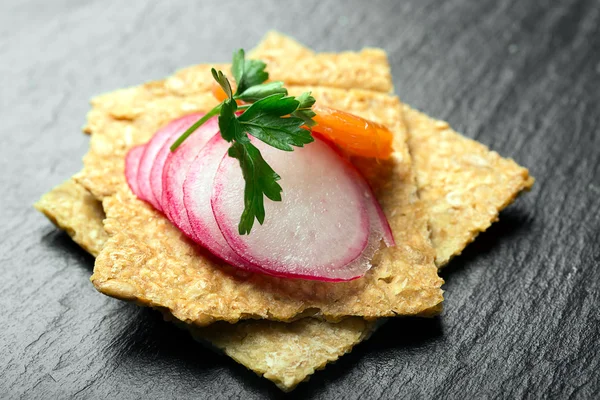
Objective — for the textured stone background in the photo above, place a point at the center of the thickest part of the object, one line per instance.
(522, 304)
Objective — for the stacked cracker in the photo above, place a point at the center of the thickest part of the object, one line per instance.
(438, 191)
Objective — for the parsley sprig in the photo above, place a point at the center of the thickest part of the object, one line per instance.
(270, 116)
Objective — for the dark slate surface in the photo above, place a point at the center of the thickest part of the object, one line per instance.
(522, 312)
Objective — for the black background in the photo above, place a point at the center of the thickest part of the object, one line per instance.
(522, 304)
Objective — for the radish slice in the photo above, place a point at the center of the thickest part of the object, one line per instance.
(156, 172)
(197, 190)
(379, 223)
(384, 226)
(175, 169)
(317, 231)
(132, 162)
(379, 230)
(152, 148)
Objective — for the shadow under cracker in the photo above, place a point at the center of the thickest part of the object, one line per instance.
(512, 223)
(393, 336)
(155, 342)
(58, 242)
(152, 341)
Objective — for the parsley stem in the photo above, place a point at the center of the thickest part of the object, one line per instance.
(197, 125)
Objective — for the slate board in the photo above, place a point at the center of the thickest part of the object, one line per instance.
(522, 304)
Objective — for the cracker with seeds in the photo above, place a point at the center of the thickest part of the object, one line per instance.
(148, 260)
(463, 184)
(73, 209)
(288, 353)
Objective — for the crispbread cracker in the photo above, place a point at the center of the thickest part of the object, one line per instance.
(286, 353)
(294, 64)
(147, 259)
(73, 209)
(463, 184)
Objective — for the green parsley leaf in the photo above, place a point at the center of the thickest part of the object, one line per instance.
(279, 133)
(258, 92)
(229, 125)
(306, 101)
(304, 110)
(222, 81)
(254, 74)
(247, 73)
(262, 120)
(237, 65)
(276, 104)
(260, 179)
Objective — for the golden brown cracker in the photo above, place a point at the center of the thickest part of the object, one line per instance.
(294, 64)
(261, 345)
(279, 48)
(286, 353)
(462, 183)
(73, 209)
(146, 259)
